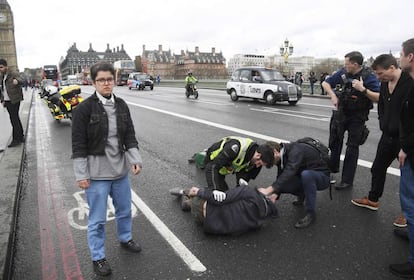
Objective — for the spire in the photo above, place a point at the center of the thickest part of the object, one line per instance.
(108, 50)
(90, 48)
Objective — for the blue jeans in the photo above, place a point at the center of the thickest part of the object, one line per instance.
(97, 197)
(307, 183)
(407, 202)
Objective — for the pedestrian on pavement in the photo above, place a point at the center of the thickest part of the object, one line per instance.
(11, 94)
(406, 161)
(158, 79)
(321, 80)
(301, 172)
(355, 89)
(104, 149)
(395, 85)
(312, 81)
(235, 155)
(233, 212)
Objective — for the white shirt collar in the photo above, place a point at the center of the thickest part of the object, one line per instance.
(104, 100)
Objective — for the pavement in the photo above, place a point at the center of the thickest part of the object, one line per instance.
(12, 162)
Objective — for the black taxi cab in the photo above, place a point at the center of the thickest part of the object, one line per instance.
(262, 84)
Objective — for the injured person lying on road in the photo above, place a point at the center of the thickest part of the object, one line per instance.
(233, 212)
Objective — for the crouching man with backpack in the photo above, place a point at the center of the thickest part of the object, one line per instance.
(302, 170)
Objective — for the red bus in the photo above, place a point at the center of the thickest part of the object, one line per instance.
(122, 70)
(50, 72)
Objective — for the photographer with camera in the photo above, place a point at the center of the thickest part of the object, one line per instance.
(352, 90)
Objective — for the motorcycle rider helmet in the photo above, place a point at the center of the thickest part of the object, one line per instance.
(190, 73)
(51, 90)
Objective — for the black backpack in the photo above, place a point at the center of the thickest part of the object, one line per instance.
(324, 151)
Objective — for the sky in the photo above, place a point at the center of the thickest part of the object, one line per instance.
(45, 29)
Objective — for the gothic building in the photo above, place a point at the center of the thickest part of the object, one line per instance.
(79, 61)
(204, 65)
(8, 43)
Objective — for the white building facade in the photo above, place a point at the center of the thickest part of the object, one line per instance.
(240, 60)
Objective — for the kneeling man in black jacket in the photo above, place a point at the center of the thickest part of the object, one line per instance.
(301, 171)
(233, 212)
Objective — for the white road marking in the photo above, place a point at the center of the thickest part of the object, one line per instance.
(294, 114)
(364, 163)
(193, 263)
(212, 102)
(326, 106)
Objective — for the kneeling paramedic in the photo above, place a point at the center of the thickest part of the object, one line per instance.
(241, 156)
(301, 172)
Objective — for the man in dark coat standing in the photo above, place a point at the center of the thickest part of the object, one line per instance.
(11, 94)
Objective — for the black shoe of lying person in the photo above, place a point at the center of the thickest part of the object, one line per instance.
(176, 191)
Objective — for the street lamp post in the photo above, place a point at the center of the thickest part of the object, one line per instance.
(286, 50)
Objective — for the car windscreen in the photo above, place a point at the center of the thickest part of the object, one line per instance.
(272, 75)
(140, 77)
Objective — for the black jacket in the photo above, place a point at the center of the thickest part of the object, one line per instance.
(243, 209)
(296, 158)
(389, 105)
(407, 126)
(90, 127)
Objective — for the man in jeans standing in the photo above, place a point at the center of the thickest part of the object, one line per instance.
(406, 161)
(104, 149)
(11, 96)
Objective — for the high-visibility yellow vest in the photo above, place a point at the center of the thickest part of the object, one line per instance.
(238, 163)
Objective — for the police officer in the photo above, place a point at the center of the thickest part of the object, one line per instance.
(238, 155)
(355, 89)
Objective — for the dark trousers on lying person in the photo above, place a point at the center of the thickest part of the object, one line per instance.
(307, 183)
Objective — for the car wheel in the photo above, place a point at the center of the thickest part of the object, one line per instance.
(233, 95)
(129, 88)
(152, 87)
(292, 103)
(270, 98)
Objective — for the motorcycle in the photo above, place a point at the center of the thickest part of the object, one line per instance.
(62, 102)
(191, 89)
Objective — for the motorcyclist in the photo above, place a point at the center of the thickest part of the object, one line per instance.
(189, 81)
